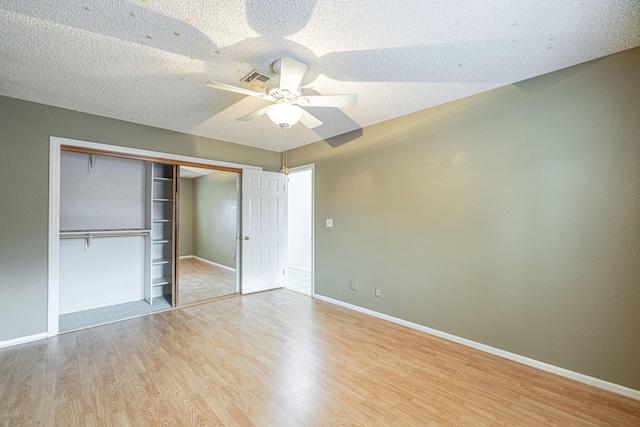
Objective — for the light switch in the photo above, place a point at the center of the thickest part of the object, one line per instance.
(329, 222)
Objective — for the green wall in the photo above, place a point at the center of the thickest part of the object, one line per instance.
(25, 128)
(208, 217)
(510, 218)
(186, 216)
(215, 217)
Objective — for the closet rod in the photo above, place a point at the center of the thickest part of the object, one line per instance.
(89, 236)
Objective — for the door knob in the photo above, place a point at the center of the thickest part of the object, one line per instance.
(246, 237)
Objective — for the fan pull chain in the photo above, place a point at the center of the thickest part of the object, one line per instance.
(285, 169)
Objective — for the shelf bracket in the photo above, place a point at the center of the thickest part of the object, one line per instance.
(87, 243)
(91, 168)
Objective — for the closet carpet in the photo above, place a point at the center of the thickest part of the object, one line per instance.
(112, 313)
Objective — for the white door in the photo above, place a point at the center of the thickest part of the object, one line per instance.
(263, 233)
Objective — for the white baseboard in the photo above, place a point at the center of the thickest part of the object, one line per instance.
(185, 256)
(213, 263)
(585, 379)
(23, 340)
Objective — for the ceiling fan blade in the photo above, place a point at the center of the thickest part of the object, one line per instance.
(230, 88)
(291, 74)
(255, 114)
(308, 120)
(338, 101)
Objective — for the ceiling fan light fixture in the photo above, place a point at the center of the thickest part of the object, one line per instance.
(287, 96)
(284, 115)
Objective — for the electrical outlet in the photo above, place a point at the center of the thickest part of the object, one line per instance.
(234, 257)
(226, 256)
(353, 285)
(378, 292)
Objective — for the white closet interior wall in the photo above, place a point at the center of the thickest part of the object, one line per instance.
(102, 194)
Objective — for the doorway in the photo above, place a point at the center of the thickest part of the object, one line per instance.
(300, 230)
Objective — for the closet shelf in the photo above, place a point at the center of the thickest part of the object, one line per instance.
(161, 281)
(162, 222)
(104, 233)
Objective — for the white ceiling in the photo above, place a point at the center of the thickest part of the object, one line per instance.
(146, 61)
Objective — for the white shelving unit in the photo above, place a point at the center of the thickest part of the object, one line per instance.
(161, 222)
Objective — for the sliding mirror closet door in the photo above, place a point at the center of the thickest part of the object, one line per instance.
(208, 230)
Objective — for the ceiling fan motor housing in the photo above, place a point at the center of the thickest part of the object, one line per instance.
(282, 96)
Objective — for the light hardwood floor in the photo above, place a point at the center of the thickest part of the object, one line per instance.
(282, 359)
(200, 280)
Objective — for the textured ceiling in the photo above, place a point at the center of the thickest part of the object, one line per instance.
(146, 61)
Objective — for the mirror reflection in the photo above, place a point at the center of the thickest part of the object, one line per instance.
(207, 234)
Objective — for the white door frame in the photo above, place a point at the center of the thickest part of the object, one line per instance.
(310, 167)
(55, 143)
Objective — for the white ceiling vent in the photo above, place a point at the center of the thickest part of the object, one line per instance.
(256, 79)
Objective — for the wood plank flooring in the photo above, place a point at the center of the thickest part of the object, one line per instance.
(200, 280)
(279, 358)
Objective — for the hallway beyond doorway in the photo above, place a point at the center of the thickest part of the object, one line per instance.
(300, 230)
(299, 281)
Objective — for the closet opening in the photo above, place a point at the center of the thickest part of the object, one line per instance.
(123, 234)
(108, 231)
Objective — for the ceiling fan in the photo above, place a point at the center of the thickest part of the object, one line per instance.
(287, 97)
